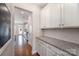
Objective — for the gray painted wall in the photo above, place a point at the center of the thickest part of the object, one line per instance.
(71, 35)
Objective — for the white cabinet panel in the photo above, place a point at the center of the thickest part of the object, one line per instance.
(43, 18)
(60, 15)
(54, 20)
(42, 48)
(50, 16)
(70, 14)
(39, 48)
(47, 13)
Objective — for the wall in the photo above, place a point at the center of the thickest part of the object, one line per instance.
(71, 35)
(8, 48)
(35, 20)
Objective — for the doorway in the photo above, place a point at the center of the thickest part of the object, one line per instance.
(22, 30)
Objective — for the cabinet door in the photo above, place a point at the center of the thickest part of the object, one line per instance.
(42, 48)
(47, 14)
(43, 18)
(70, 15)
(53, 19)
(39, 48)
(50, 16)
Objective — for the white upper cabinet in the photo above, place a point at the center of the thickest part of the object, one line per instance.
(50, 16)
(43, 18)
(70, 15)
(60, 15)
(54, 16)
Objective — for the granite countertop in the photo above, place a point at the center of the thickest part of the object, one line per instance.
(4, 47)
(62, 45)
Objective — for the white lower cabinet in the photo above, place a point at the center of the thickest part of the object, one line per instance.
(45, 49)
(42, 48)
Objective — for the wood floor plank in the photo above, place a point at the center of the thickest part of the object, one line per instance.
(23, 51)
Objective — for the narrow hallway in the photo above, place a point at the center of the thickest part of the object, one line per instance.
(23, 47)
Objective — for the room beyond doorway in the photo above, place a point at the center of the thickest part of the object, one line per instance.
(22, 30)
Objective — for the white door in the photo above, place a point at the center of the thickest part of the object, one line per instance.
(70, 15)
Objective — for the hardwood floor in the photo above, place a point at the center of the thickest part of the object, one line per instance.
(24, 51)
